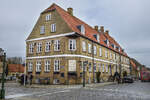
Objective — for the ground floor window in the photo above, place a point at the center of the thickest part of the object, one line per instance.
(56, 81)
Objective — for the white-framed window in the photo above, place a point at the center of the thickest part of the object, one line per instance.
(110, 55)
(42, 29)
(47, 66)
(114, 56)
(57, 45)
(83, 46)
(39, 47)
(38, 66)
(99, 67)
(94, 67)
(95, 50)
(89, 48)
(31, 48)
(103, 67)
(100, 51)
(53, 27)
(56, 81)
(47, 46)
(30, 67)
(72, 44)
(98, 38)
(106, 53)
(90, 67)
(48, 17)
(106, 67)
(82, 29)
(56, 65)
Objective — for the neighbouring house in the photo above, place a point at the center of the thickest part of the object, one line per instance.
(134, 69)
(15, 69)
(61, 45)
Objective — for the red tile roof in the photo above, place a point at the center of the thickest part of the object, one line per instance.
(73, 22)
(15, 68)
(133, 64)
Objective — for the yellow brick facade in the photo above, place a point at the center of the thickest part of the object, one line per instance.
(64, 76)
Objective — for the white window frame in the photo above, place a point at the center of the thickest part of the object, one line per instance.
(56, 65)
(98, 38)
(90, 67)
(95, 50)
(106, 67)
(30, 66)
(100, 51)
(57, 45)
(53, 27)
(110, 55)
(99, 67)
(89, 48)
(47, 66)
(106, 53)
(72, 44)
(48, 17)
(94, 68)
(42, 29)
(83, 29)
(38, 66)
(103, 67)
(39, 47)
(83, 46)
(31, 48)
(47, 46)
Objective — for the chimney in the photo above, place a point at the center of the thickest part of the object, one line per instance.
(96, 28)
(107, 32)
(102, 29)
(70, 11)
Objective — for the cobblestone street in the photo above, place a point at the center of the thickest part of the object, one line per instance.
(135, 91)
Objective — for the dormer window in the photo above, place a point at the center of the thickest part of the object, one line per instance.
(81, 28)
(107, 42)
(96, 36)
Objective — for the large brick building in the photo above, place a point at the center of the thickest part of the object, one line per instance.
(59, 44)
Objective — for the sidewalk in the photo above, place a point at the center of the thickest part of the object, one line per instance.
(92, 85)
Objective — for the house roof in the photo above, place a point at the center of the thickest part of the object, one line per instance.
(15, 68)
(133, 64)
(73, 22)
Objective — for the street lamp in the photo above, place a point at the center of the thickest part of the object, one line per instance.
(2, 91)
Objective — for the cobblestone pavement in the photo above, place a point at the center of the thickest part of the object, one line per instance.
(135, 91)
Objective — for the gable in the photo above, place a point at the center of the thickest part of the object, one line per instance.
(61, 26)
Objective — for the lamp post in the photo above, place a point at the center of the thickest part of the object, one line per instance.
(2, 91)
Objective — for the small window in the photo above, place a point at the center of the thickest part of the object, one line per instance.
(94, 67)
(48, 17)
(47, 66)
(47, 46)
(31, 48)
(57, 45)
(56, 65)
(89, 48)
(90, 67)
(83, 46)
(81, 28)
(106, 53)
(30, 67)
(42, 29)
(56, 81)
(110, 55)
(39, 47)
(103, 68)
(62, 74)
(100, 51)
(95, 50)
(106, 67)
(53, 27)
(99, 67)
(72, 44)
(38, 66)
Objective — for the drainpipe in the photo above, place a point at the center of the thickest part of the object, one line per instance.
(93, 62)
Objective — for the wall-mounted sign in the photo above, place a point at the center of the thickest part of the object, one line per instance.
(72, 65)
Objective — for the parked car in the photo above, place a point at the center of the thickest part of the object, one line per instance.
(128, 79)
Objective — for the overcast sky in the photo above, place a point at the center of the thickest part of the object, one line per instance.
(127, 20)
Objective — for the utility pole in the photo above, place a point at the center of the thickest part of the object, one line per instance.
(2, 92)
